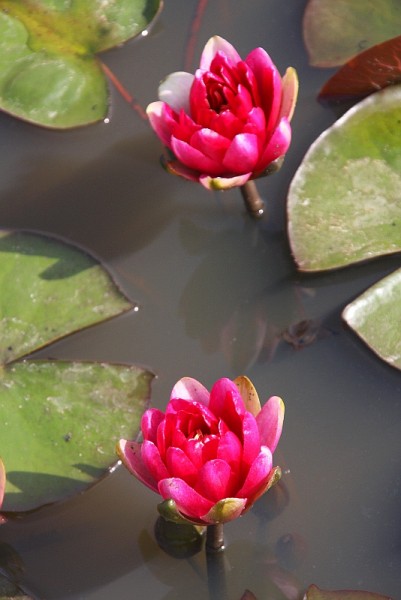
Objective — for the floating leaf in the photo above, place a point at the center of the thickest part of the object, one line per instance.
(375, 317)
(48, 290)
(366, 73)
(59, 420)
(10, 591)
(343, 203)
(48, 71)
(314, 593)
(333, 34)
(60, 423)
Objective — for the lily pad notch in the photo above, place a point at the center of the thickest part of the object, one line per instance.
(60, 419)
(49, 73)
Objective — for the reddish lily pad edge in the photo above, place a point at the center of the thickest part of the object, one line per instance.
(315, 593)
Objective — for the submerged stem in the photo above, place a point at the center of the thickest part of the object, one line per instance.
(253, 202)
(216, 575)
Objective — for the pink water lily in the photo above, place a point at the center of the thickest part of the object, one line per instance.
(227, 123)
(209, 453)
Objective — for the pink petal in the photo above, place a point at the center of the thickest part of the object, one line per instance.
(210, 446)
(178, 440)
(214, 45)
(251, 439)
(226, 123)
(274, 477)
(210, 143)
(290, 93)
(192, 158)
(248, 79)
(152, 460)
(179, 465)
(242, 155)
(256, 121)
(199, 104)
(190, 389)
(223, 183)
(230, 450)
(162, 120)
(165, 433)
(174, 90)
(130, 454)
(269, 84)
(258, 475)
(240, 103)
(224, 71)
(186, 410)
(213, 480)
(150, 421)
(277, 146)
(227, 404)
(270, 422)
(188, 502)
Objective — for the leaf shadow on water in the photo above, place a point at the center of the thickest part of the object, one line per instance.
(259, 564)
(119, 193)
(26, 481)
(241, 298)
(65, 536)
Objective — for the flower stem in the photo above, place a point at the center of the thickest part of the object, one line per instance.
(214, 538)
(253, 202)
(216, 576)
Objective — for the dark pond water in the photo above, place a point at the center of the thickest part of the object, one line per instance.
(217, 291)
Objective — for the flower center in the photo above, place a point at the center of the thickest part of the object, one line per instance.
(217, 99)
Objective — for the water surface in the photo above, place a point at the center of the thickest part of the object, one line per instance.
(218, 296)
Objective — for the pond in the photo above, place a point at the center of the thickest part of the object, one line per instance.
(218, 296)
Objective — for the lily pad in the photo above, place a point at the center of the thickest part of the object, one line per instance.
(334, 32)
(343, 203)
(375, 316)
(48, 290)
(59, 420)
(314, 593)
(366, 73)
(10, 591)
(49, 74)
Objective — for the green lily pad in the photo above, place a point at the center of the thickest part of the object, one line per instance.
(60, 422)
(48, 290)
(375, 316)
(49, 74)
(314, 593)
(333, 35)
(343, 203)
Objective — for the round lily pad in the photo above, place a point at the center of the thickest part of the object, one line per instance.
(60, 422)
(49, 74)
(375, 317)
(343, 203)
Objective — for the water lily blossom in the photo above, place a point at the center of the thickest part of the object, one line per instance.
(210, 454)
(230, 120)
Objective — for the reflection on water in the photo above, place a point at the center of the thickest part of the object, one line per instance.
(218, 295)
